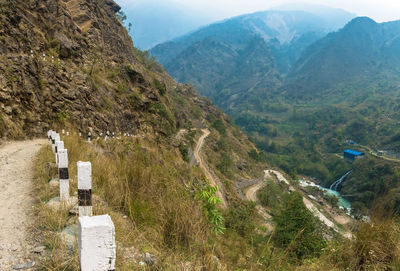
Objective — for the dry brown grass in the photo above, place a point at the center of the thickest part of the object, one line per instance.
(142, 183)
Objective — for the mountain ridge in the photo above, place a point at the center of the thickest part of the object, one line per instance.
(285, 35)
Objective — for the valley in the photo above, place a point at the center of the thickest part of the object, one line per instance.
(336, 86)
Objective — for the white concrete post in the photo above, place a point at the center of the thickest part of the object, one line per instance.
(58, 146)
(85, 188)
(89, 137)
(54, 138)
(63, 131)
(63, 174)
(113, 135)
(67, 133)
(80, 134)
(49, 132)
(96, 242)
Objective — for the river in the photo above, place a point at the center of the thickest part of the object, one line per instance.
(342, 202)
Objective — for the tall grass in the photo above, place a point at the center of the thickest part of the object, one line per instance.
(142, 183)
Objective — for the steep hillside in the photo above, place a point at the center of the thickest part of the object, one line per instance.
(218, 60)
(73, 62)
(84, 73)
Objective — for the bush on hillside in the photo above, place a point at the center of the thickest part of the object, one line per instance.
(297, 230)
(240, 218)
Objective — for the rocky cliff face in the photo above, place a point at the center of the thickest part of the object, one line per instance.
(74, 62)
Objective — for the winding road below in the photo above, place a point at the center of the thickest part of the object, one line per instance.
(16, 200)
(251, 194)
(214, 181)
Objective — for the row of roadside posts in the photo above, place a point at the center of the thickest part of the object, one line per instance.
(96, 234)
(107, 135)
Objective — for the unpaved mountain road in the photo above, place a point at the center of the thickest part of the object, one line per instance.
(251, 194)
(16, 199)
(207, 171)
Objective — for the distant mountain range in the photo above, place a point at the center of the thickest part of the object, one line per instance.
(246, 56)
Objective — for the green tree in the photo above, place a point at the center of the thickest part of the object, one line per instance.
(121, 16)
(219, 125)
(296, 229)
(209, 202)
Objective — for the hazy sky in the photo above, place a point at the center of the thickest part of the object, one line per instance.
(379, 10)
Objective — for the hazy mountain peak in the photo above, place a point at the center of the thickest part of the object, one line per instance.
(281, 25)
(362, 20)
(334, 18)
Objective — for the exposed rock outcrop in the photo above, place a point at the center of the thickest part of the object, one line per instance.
(74, 62)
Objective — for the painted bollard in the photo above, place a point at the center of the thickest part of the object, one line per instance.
(58, 146)
(54, 138)
(49, 132)
(63, 174)
(89, 137)
(96, 243)
(85, 188)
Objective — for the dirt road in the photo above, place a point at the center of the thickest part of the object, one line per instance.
(251, 194)
(214, 181)
(16, 199)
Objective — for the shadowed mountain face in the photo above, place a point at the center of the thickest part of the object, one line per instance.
(237, 59)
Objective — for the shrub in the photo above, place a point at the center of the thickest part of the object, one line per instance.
(184, 151)
(209, 202)
(296, 229)
(162, 89)
(219, 126)
(270, 195)
(240, 218)
(225, 164)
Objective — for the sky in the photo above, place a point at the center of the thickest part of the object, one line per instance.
(379, 10)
